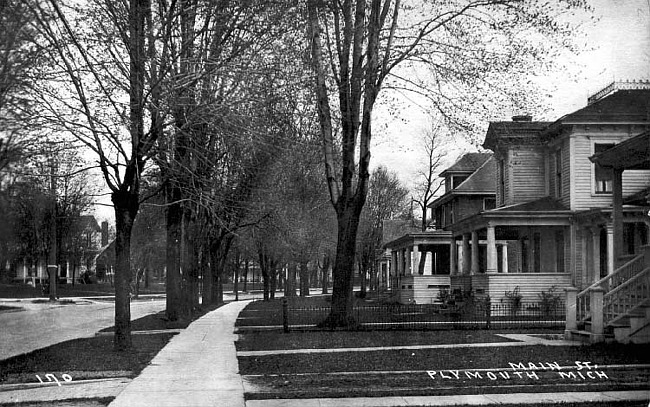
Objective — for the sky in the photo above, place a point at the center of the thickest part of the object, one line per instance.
(619, 49)
(618, 44)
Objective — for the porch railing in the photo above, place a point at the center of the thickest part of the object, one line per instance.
(607, 283)
(623, 299)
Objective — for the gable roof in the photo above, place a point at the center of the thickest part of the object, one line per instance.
(468, 163)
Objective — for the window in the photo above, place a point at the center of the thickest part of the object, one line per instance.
(457, 180)
(559, 251)
(558, 173)
(501, 191)
(603, 176)
(489, 203)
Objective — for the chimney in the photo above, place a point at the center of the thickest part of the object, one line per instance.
(522, 118)
(104, 233)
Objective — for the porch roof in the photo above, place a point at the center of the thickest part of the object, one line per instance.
(541, 212)
(631, 154)
(433, 237)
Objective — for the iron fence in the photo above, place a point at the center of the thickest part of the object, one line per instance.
(436, 316)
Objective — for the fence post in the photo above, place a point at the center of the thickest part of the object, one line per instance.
(488, 312)
(285, 314)
(597, 326)
(571, 312)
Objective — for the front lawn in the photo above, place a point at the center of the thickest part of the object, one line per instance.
(477, 368)
(85, 358)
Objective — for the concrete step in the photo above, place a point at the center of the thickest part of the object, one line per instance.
(641, 335)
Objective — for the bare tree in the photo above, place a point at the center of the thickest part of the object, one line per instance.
(386, 200)
(427, 182)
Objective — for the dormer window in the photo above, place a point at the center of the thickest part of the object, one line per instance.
(603, 176)
(456, 180)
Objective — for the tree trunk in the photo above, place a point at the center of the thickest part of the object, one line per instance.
(173, 254)
(126, 206)
(274, 279)
(326, 272)
(246, 265)
(207, 276)
(304, 279)
(342, 275)
(290, 290)
(236, 282)
(363, 271)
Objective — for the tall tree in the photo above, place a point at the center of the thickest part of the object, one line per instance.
(357, 46)
(97, 62)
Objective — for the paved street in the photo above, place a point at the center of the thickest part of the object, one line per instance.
(40, 325)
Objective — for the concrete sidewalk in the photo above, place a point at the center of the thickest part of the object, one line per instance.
(197, 368)
(511, 399)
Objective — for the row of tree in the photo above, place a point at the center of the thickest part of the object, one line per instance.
(222, 106)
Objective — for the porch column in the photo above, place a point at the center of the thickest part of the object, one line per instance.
(453, 257)
(398, 264)
(416, 260)
(504, 257)
(491, 250)
(465, 258)
(595, 245)
(475, 252)
(392, 269)
(584, 279)
(611, 255)
(407, 267)
(617, 218)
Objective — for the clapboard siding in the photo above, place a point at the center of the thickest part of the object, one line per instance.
(530, 284)
(583, 196)
(526, 169)
(566, 173)
(422, 289)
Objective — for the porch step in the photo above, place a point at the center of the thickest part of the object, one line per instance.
(641, 335)
(587, 337)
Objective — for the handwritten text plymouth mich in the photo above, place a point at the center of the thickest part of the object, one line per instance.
(579, 371)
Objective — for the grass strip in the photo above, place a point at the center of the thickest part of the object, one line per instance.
(437, 359)
(332, 339)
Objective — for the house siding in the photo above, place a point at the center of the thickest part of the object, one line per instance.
(583, 196)
(423, 289)
(526, 169)
(530, 284)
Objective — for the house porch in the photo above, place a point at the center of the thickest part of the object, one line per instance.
(510, 249)
(419, 266)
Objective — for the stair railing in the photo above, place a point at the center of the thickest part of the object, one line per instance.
(607, 283)
(621, 300)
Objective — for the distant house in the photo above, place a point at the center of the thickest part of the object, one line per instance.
(77, 252)
(422, 260)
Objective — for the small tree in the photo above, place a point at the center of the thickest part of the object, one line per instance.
(427, 182)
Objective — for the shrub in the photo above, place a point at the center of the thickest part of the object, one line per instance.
(549, 301)
(514, 299)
